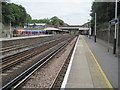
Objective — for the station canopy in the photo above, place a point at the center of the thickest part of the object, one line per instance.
(74, 28)
(37, 24)
(52, 29)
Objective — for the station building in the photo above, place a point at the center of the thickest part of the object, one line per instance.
(36, 25)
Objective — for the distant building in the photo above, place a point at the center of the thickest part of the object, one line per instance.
(36, 25)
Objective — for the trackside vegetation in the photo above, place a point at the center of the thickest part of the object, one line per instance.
(17, 16)
(105, 12)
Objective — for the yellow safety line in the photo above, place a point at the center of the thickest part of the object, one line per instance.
(101, 70)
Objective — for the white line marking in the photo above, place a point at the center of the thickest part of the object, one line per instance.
(69, 67)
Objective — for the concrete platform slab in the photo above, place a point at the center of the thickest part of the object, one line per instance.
(83, 71)
(79, 74)
(24, 37)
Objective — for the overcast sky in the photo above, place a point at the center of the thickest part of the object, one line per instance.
(71, 11)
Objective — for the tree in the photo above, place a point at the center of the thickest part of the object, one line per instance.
(52, 21)
(56, 21)
(28, 18)
(105, 12)
(16, 14)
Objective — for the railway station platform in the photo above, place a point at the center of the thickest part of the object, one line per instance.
(25, 37)
(91, 67)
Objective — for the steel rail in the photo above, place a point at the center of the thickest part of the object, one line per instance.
(39, 45)
(7, 47)
(20, 79)
(61, 68)
(20, 46)
(25, 57)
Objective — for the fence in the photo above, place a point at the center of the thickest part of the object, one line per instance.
(103, 35)
(6, 30)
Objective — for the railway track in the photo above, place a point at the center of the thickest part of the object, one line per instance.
(7, 62)
(57, 80)
(16, 82)
(60, 45)
(32, 41)
(15, 42)
(23, 46)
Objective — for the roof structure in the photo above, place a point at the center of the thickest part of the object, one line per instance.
(40, 24)
(37, 24)
(74, 28)
(52, 29)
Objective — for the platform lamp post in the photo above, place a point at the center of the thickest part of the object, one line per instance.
(10, 29)
(115, 34)
(89, 28)
(109, 27)
(117, 42)
(95, 27)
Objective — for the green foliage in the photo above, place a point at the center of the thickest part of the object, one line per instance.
(1, 31)
(40, 21)
(28, 18)
(56, 21)
(105, 12)
(0, 12)
(103, 26)
(16, 14)
(52, 21)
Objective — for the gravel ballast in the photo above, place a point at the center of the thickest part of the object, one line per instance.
(45, 76)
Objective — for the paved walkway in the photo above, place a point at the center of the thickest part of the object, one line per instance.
(108, 61)
(15, 38)
(84, 70)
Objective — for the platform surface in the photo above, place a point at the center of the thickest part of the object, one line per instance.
(84, 70)
(23, 37)
(107, 60)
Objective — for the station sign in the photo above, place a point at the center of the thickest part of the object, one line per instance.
(113, 22)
